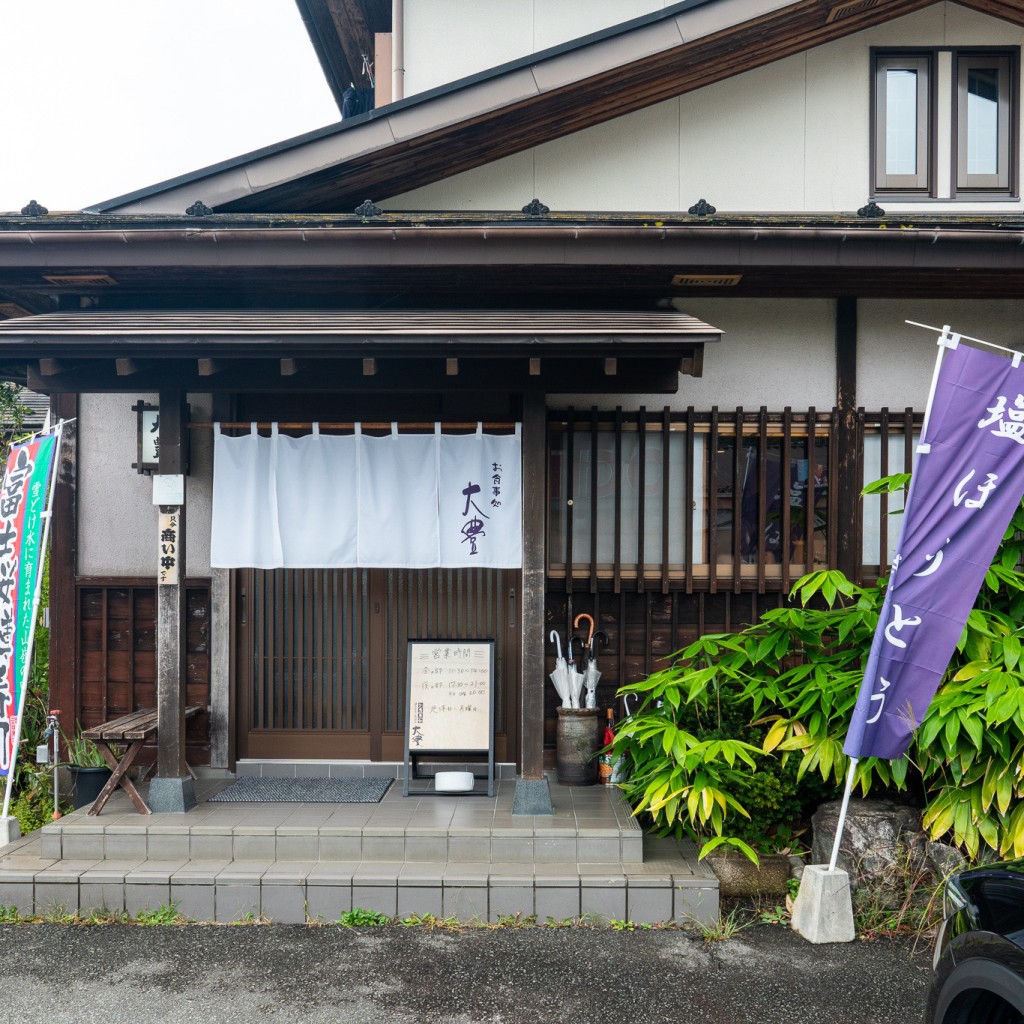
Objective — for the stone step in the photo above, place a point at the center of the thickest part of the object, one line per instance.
(87, 840)
(670, 886)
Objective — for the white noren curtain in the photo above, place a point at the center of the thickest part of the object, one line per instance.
(398, 501)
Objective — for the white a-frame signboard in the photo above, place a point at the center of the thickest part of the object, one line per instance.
(449, 704)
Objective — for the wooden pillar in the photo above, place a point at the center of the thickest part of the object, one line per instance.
(847, 481)
(532, 795)
(171, 789)
(63, 567)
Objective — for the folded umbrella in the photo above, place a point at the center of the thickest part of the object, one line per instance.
(575, 677)
(560, 677)
(592, 676)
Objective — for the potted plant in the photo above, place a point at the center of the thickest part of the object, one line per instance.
(89, 771)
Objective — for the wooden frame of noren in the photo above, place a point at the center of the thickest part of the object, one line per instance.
(469, 751)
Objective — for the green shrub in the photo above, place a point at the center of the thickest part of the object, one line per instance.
(33, 805)
(792, 678)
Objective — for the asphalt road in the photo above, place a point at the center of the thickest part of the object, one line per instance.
(216, 975)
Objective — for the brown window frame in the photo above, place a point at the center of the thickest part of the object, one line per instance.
(1002, 186)
(923, 183)
(1003, 182)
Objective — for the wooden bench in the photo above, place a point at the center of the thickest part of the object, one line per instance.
(132, 731)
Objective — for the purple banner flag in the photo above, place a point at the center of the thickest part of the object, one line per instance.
(967, 482)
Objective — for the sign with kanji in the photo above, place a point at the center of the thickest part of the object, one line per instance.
(22, 506)
(168, 559)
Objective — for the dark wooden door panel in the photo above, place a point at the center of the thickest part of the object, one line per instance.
(321, 654)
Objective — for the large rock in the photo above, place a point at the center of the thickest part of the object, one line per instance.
(877, 834)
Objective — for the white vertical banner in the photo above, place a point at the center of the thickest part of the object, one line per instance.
(244, 531)
(316, 499)
(398, 500)
(480, 500)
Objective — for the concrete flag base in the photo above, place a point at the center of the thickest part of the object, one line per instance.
(823, 910)
(9, 830)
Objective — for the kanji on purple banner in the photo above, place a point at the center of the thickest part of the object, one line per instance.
(968, 480)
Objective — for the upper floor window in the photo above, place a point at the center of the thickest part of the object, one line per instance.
(985, 117)
(945, 124)
(903, 123)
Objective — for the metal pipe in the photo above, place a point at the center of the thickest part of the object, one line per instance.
(363, 425)
(397, 50)
(559, 232)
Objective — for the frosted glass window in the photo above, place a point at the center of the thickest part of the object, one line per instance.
(901, 120)
(982, 121)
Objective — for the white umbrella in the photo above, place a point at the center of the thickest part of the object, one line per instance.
(575, 679)
(560, 677)
(592, 676)
(590, 679)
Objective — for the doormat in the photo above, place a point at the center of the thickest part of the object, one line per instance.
(253, 789)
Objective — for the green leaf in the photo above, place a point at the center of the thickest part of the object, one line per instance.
(975, 729)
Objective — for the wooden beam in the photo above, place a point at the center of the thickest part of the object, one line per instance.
(534, 366)
(693, 364)
(848, 553)
(209, 367)
(289, 367)
(126, 367)
(369, 367)
(451, 367)
(639, 375)
(611, 366)
(63, 561)
(172, 789)
(51, 367)
(532, 633)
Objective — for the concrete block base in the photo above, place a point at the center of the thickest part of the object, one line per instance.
(11, 830)
(823, 911)
(172, 795)
(533, 796)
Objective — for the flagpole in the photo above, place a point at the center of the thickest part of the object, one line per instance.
(946, 341)
(26, 668)
(966, 337)
(842, 813)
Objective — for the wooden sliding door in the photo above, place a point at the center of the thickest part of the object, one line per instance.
(320, 654)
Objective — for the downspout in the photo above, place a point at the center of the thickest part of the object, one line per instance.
(397, 50)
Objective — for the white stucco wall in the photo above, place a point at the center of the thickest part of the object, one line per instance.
(448, 39)
(794, 135)
(883, 380)
(775, 352)
(117, 520)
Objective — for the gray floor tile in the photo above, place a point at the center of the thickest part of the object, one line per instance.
(380, 898)
(17, 895)
(467, 903)
(236, 902)
(603, 903)
(139, 896)
(420, 900)
(327, 902)
(196, 902)
(56, 899)
(559, 903)
(284, 904)
(649, 905)
(515, 901)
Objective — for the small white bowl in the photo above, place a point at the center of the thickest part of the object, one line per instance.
(453, 782)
